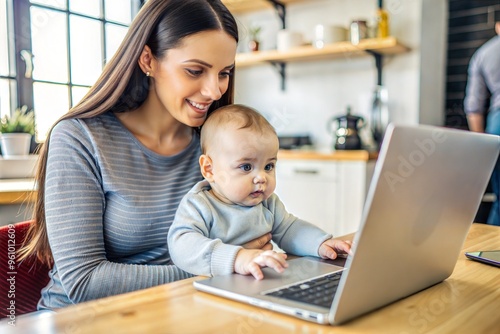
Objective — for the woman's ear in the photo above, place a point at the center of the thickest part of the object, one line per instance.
(146, 61)
(206, 167)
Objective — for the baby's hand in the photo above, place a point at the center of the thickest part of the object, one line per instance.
(249, 261)
(332, 247)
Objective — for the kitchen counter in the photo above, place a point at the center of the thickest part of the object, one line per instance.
(357, 155)
(16, 191)
(335, 181)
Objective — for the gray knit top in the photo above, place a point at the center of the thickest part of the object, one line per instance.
(206, 233)
(109, 204)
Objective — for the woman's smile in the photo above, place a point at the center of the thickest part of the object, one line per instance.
(201, 108)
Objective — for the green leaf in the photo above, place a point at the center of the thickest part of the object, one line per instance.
(22, 121)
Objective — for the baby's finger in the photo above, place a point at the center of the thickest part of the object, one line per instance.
(255, 270)
(327, 252)
(344, 247)
(280, 257)
(274, 261)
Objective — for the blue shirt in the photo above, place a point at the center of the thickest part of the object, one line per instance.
(484, 78)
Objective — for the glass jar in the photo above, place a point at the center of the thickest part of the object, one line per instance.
(358, 31)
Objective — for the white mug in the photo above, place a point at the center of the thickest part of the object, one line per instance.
(325, 34)
(287, 39)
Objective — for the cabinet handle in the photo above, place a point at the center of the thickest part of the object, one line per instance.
(306, 171)
(27, 57)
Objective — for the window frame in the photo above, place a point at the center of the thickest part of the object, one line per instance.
(22, 92)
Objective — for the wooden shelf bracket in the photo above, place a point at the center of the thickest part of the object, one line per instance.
(281, 69)
(378, 64)
(280, 10)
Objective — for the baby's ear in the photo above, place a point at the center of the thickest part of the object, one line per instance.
(206, 167)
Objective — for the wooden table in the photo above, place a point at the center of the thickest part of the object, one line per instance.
(467, 302)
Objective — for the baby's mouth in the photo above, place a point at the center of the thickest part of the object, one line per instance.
(257, 193)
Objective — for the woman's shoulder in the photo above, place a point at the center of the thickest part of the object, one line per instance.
(88, 126)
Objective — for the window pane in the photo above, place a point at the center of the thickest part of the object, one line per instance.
(87, 7)
(7, 96)
(51, 102)
(118, 11)
(61, 4)
(50, 47)
(114, 36)
(86, 54)
(6, 43)
(77, 93)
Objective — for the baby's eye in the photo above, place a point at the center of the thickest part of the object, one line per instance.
(246, 167)
(269, 167)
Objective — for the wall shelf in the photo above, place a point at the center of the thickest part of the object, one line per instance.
(376, 47)
(242, 6)
(380, 46)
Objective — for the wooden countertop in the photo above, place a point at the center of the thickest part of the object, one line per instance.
(16, 191)
(357, 155)
(467, 302)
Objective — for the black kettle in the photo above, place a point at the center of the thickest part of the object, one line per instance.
(346, 131)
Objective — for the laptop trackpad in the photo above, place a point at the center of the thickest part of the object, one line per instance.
(299, 269)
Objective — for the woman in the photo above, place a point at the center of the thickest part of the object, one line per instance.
(113, 170)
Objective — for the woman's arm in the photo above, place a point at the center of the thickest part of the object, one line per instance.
(77, 220)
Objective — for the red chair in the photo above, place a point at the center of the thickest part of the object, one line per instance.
(21, 283)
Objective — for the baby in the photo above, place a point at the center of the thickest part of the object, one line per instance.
(236, 203)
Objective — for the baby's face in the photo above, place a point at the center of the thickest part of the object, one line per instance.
(243, 166)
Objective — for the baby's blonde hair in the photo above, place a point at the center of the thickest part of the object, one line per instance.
(238, 115)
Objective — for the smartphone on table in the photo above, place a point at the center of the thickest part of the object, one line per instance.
(490, 257)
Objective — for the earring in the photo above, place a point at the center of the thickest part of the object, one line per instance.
(148, 74)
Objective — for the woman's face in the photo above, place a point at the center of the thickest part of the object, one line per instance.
(189, 78)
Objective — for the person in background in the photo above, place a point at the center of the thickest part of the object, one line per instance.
(483, 89)
(115, 167)
(236, 203)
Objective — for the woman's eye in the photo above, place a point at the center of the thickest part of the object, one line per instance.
(269, 167)
(194, 73)
(246, 167)
(226, 74)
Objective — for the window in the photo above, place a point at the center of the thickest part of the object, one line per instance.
(56, 50)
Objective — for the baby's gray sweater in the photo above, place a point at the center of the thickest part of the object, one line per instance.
(109, 204)
(206, 233)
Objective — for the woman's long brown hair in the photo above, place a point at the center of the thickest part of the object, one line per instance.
(122, 86)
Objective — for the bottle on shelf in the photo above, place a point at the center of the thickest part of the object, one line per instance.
(382, 22)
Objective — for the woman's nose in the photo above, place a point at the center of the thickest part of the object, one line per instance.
(212, 89)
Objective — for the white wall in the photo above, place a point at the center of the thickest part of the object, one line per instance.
(319, 90)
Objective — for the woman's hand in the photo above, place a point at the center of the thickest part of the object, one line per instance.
(332, 247)
(249, 261)
(263, 243)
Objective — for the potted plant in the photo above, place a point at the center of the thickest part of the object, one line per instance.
(16, 132)
(254, 35)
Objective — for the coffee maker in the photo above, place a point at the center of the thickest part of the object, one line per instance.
(346, 131)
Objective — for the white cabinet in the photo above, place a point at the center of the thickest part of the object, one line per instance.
(329, 194)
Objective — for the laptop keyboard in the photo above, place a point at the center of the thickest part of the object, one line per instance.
(318, 291)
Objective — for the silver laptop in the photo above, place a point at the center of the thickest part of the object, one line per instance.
(426, 189)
